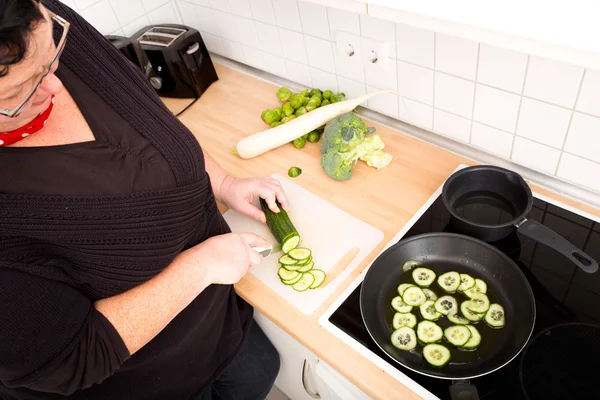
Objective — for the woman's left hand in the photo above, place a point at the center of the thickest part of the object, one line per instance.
(239, 193)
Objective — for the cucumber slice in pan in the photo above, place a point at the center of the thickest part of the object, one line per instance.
(479, 303)
(449, 281)
(430, 294)
(495, 316)
(400, 306)
(474, 340)
(429, 332)
(455, 318)
(403, 286)
(404, 338)
(436, 354)
(446, 305)
(414, 296)
(468, 314)
(480, 286)
(423, 276)
(404, 319)
(466, 282)
(410, 264)
(428, 311)
(457, 335)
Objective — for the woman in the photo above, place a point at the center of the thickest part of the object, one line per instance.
(116, 268)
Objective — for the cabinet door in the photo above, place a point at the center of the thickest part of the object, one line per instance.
(338, 387)
(297, 377)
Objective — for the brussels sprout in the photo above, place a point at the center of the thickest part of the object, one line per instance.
(325, 102)
(305, 100)
(287, 109)
(272, 116)
(299, 143)
(327, 94)
(262, 115)
(338, 97)
(284, 94)
(305, 136)
(313, 103)
(276, 123)
(314, 137)
(315, 92)
(294, 172)
(287, 119)
(300, 111)
(296, 101)
(305, 93)
(279, 111)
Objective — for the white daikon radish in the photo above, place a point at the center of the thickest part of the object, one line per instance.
(261, 142)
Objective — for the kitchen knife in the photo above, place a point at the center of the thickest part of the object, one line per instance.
(267, 251)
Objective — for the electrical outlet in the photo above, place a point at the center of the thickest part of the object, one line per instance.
(348, 47)
(375, 54)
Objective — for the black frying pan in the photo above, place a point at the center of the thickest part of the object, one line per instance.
(445, 252)
(506, 198)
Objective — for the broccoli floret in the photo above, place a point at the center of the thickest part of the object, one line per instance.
(343, 133)
(337, 165)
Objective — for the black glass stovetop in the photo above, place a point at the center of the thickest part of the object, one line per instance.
(563, 293)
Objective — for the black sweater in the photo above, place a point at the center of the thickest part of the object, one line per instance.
(126, 205)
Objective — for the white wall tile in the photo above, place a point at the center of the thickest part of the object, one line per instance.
(118, 32)
(415, 82)
(501, 68)
(207, 20)
(83, 4)
(188, 14)
(314, 19)
(227, 24)
(351, 88)
(232, 50)
(589, 98)
(262, 10)
(247, 32)
(287, 15)
(298, 73)
(274, 64)
(323, 80)
(241, 8)
(496, 108)
(382, 79)
(492, 140)
(132, 28)
(579, 171)
(343, 21)
(534, 155)
(150, 5)
(543, 122)
(221, 5)
(130, 10)
(102, 17)
(414, 45)
(451, 125)
(584, 137)
(454, 95)
(552, 81)
(164, 15)
(70, 3)
(416, 113)
(379, 29)
(456, 56)
(319, 53)
(205, 3)
(253, 57)
(293, 47)
(351, 69)
(385, 103)
(213, 43)
(268, 38)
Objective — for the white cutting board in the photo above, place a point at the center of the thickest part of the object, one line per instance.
(325, 229)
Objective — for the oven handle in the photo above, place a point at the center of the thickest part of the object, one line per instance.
(305, 372)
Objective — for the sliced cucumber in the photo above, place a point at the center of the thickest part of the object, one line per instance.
(495, 316)
(470, 292)
(455, 318)
(457, 335)
(436, 355)
(428, 310)
(290, 242)
(429, 332)
(479, 303)
(430, 294)
(319, 278)
(286, 275)
(304, 283)
(449, 281)
(466, 282)
(400, 306)
(423, 276)
(410, 264)
(307, 267)
(404, 319)
(292, 281)
(299, 253)
(404, 338)
(304, 262)
(470, 315)
(292, 267)
(480, 286)
(474, 340)
(287, 260)
(403, 286)
(446, 305)
(414, 296)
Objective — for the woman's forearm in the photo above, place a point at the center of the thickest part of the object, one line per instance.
(216, 172)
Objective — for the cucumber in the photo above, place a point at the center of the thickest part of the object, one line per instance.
(428, 311)
(455, 318)
(436, 355)
(307, 267)
(457, 335)
(474, 340)
(466, 282)
(414, 296)
(292, 281)
(292, 267)
(429, 332)
(430, 294)
(480, 286)
(287, 260)
(304, 283)
(470, 292)
(495, 316)
(479, 303)
(299, 253)
(410, 264)
(470, 315)
(304, 262)
(399, 305)
(290, 242)
(286, 275)
(404, 338)
(319, 278)
(449, 281)
(446, 305)
(404, 319)
(423, 276)
(402, 287)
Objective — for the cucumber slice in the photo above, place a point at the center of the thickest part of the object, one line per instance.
(436, 355)
(423, 276)
(286, 275)
(299, 253)
(304, 283)
(286, 260)
(429, 332)
(319, 278)
(404, 338)
(307, 267)
(446, 305)
(480, 286)
(410, 264)
(466, 282)
(479, 303)
(305, 261)
(430, 294)
(474, 340)
(403, 286)
(400, 306)
(455, 318)
(292, 267)
(290, 242)
(457, 335)
(292, 281)
(414, 296)
(470, 315)
(470, 292)
(428, 310)
(449, 281)
(404, 319)
(495, 316)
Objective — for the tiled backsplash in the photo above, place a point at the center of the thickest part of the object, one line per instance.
(536, 112)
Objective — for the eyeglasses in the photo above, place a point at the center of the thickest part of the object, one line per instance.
(59, 49)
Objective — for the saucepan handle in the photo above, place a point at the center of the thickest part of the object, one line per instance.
(546, 236)
(463, 390)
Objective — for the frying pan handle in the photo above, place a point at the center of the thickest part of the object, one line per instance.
(542, 234)
(463, 390)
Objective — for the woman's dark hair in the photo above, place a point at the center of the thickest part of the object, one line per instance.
(17, 21)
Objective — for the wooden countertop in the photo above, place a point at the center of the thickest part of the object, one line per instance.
(229, 110)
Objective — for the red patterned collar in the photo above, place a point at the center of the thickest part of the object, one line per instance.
(8, 138)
